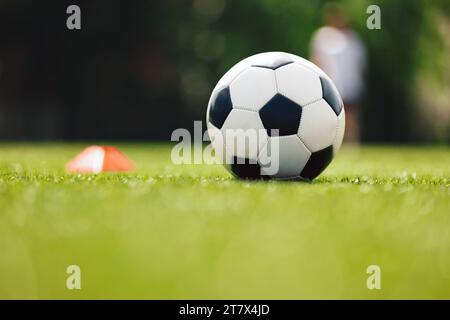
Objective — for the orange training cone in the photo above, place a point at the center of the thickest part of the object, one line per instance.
(96, 159)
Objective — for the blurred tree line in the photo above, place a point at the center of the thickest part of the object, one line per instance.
(139, 69)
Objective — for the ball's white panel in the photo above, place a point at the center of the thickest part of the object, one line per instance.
(340, 132)
(290, 159)
(228, 77)
(257, 59)
(318, 125)
(263, 58)
(268, 58)
(298, 83)
(244, 134)
(231, 74)
(308, 64)
(253, 88)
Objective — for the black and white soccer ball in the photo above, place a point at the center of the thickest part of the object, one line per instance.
(277, 90)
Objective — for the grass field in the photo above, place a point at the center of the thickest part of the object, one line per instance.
(169, 232)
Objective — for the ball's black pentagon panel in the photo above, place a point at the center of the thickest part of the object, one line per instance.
(317, 162)
(282, 114)
(275, 63)
(221, 106)
(331, 95)
(244, 169)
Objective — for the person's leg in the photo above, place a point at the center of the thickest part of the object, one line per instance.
(351, 123)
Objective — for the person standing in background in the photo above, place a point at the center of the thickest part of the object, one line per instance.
(339, 51)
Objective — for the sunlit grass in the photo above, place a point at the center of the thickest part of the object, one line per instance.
(167, 231)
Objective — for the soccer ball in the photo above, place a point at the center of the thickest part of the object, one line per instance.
(291, 103)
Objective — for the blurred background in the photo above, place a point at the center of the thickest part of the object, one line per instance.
(139, 69)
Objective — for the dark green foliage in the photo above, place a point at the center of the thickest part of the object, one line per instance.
(141, 69)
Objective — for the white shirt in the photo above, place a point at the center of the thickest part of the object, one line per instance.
(341, 54)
